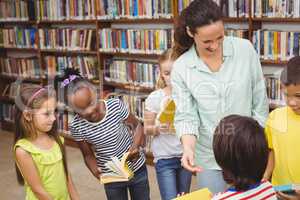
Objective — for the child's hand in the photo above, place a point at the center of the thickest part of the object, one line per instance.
(97, 173)
(134, 153)
(283, 196)
(166, 128)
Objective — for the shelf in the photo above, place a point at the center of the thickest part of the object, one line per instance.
(14, 78)
(7, 125)
(49, 22)
(138, 21)
(128, 87)
(20, 22)
(7, 99)
(235, 19)
(276, 20)
(19, 49)
(273, 62)
(66, 52)
(130, 55)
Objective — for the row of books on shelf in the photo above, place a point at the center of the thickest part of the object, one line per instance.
(67, 39)
(276, 45)
(19, 37)
(274, 91)
(20, 67)
(276, 9)
(149, 41)
(137, 73)
(17, 10)
(106, 9)
(87, 65)
(7, 112)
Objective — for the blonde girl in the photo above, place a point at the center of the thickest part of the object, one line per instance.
(39, 151)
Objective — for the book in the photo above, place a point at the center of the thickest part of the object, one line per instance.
(203, 194)
(166, 116)
(288, 189)
(120, 172)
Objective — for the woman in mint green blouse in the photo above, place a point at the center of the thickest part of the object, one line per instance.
(213, 76)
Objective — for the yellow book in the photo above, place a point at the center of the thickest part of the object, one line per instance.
(202, 194)
(166, 116)
(120, 170)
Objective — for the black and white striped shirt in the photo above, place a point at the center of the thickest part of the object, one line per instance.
(110, 137)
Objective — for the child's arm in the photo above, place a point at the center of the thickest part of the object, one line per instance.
(30, 174)
(72, 190)
(138, 135)
(149, 123)
(270, 166)
(89, 158)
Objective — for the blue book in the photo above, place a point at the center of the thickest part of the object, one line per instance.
(289, 188)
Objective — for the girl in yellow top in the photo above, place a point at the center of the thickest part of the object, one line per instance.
(39, 150)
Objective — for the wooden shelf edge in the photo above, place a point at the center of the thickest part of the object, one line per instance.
(54, 51)
(275, 19)
(128, 87)
(273, 62)
(67, 21)
(130, 55)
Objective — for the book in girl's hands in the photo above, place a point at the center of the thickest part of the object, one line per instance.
(166, 116)
(120, 171)
(202, 194)
(287, 189)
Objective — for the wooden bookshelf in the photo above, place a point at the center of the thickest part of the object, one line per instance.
(97, 24)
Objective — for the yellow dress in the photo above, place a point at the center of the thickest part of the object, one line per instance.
(50, 168)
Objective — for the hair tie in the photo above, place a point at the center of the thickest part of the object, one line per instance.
(67, 81)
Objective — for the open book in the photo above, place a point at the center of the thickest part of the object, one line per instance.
(120, 170)
(168, 113)
(202, 194)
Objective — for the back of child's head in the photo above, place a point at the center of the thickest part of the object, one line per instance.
(166, 56)
(241, 150)
(291, 73)
(69, 82)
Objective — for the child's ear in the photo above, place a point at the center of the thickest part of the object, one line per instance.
(27, 115)
(188, 31)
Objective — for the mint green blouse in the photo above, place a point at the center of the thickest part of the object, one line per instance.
(50, 169)
(204, 97)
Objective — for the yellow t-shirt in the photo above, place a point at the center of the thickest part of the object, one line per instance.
(283, 135)
(50, 168)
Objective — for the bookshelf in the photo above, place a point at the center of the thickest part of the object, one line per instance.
(41, 20)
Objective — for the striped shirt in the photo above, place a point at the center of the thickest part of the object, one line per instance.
(263, 191)
(110, 137)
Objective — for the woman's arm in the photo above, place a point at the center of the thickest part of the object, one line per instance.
(72, 190)
(30, 174)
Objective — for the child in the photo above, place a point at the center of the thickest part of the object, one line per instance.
(172, 178)
(39, 151)
(282, 130)
(101, 130)
(241, 150)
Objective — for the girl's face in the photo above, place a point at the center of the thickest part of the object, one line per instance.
(44, 117)
(86, 104)
(166, 68)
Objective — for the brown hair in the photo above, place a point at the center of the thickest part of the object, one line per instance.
(291, 73)
(241, 150)
(199, 13)
(31, 97)
(167, 55)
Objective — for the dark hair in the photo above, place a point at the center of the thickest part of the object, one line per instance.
(31, 97)
(72, 84)
(241, 150)
(199, 13)
(291, 73)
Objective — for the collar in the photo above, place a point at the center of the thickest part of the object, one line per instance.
(195, 61)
